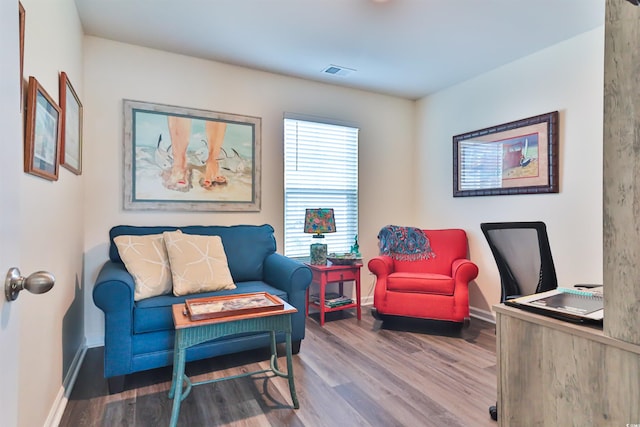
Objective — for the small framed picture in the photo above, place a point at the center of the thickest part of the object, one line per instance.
(70, 126)
(42, 136)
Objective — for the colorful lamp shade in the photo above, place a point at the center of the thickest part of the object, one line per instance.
(318, 222)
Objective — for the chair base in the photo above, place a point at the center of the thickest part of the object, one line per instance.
(419, 325)
(116, 384)
(382, 317)
(295, 348)
(493, 412)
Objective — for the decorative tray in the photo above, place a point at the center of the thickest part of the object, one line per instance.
(343, 259)
(231, 305)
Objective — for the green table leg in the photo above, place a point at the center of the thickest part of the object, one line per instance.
(175, 363)
(177, 385)
(274, 351)
(292, 385)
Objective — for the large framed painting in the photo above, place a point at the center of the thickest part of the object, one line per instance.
(519, 157)
(187, 159)
(42, 134)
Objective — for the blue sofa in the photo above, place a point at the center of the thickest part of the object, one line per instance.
(139, 335)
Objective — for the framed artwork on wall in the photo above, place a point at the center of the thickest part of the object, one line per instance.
(519, 157)
(42, 135)
(70, 126)
(186, 159)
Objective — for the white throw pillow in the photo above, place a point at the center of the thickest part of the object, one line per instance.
(146, 260)
(198, 263)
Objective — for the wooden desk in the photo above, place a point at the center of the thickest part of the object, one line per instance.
(556, 373)
(190, 333)
(325, 274)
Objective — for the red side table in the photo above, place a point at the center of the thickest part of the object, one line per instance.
(325, 274)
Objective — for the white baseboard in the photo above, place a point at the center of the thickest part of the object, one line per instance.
(60, 403)
(94, 341)
(487, 316)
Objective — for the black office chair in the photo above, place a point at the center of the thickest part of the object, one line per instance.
(523, 256)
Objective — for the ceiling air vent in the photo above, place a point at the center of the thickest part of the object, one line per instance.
(336, 70)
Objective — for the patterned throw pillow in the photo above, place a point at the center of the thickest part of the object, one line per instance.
(146, 260)
(198, 263)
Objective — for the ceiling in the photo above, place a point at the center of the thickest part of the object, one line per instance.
(406, 48)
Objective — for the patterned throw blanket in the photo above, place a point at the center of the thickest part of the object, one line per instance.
(404, 243)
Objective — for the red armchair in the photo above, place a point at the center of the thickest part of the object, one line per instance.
(433, 288)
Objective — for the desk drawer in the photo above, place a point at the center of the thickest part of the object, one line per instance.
(341, 275)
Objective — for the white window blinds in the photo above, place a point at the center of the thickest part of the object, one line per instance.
(320, 171)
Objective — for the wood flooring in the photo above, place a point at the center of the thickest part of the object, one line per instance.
(348, 373)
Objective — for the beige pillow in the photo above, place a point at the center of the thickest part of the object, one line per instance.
(146, 260)
(198, 263)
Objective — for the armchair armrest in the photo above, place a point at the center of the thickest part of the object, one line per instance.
(113, 294)
(114, 288)
(293, 277)
(381, 265)
(463, 270)
(287, 274)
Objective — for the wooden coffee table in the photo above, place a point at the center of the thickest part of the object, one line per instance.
(190, 333)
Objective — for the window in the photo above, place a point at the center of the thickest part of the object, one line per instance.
(481, 165)
(320, 171)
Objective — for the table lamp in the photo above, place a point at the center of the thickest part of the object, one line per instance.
(318, 222)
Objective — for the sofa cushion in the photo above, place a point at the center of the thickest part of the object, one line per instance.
(154, 314)
(146, 260)
(198, 263)
(246, 246)
(426, 283)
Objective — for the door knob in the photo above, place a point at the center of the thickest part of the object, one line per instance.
(37, 283)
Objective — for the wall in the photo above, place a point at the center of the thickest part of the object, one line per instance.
(116, 71)
(567, 77)
(51, 327)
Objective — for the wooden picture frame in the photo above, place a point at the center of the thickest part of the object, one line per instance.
(21, 24)
(42, 136)
(217, 167)
(70, 126)
(519, 157)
